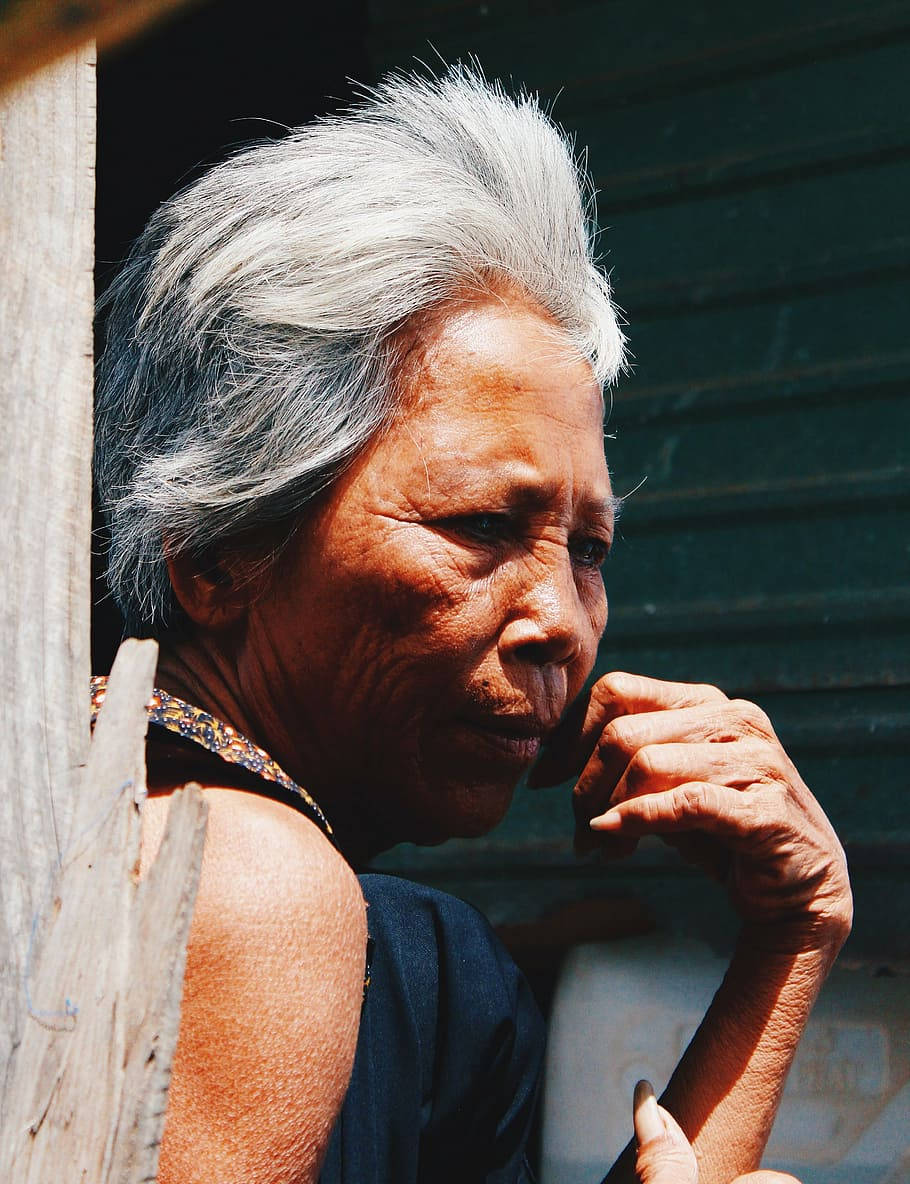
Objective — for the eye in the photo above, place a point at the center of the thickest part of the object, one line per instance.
(481, 528)
(589, 552)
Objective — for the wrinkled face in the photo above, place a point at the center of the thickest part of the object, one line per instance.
(435, 618)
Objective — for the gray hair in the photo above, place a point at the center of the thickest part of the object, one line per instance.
(248, 337)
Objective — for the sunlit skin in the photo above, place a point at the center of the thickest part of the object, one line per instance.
(664, 1155)
(432, 621)
(427, 629)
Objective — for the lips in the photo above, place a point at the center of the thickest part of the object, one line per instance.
(518, 737)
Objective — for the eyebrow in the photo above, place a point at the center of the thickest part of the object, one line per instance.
(606, 509)
(615, 506)
(528, 494)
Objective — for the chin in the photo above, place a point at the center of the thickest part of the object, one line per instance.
(463, 813)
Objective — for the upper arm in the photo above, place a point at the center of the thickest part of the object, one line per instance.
(271, 999)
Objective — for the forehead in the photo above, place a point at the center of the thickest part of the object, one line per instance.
(498, 382)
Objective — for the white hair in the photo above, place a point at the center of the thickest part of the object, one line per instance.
(248, 337)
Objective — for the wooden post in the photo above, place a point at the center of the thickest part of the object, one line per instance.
(47, 151)
(91, 961)
(33, 33)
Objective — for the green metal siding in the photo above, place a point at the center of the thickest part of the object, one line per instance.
(753, 163)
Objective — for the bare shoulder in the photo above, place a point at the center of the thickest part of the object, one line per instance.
(271, 996)
(258, 852)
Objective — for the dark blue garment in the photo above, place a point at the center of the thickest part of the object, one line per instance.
(449, 1053)
(451, 1041)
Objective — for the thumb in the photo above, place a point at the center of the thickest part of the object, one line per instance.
(664, 1154)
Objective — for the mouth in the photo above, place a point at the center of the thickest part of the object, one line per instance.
(518, 737)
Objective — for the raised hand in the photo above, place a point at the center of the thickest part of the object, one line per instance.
(710, 776)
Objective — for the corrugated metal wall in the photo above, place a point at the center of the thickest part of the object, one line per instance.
(753, 162)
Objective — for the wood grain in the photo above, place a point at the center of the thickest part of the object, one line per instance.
(91, 961)
(47, 148)
(103, 977)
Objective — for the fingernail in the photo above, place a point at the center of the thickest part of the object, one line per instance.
(646, 1115)
(612, 820)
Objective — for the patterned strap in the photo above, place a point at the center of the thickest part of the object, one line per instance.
(197, 726)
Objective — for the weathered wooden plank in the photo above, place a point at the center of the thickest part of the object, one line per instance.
(753, 128)
(779, 616)
(624, 50)
(159, 927)
(90, 962)
(877, 375)
(46, 186)
(754, 498)
(35, 32)
(772, 239)
(102, 982)
(713, 449)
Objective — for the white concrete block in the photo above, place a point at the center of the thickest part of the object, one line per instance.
(626, 1010)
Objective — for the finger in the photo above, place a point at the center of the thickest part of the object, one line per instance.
(612, 696)
(646, 1116)
(660, 749)
(696, 805)
(659, 767)
(664, 1154)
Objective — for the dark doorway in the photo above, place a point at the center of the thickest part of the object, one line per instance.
(217, 76)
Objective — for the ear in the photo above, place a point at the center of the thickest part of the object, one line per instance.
(210, 590)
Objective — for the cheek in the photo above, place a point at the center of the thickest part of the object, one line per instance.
(598, 610)
(413, 595)
(594, 600)
(401, 602)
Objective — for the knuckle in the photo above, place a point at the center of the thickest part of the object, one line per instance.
(652, 810)
(609, 738)
(661, 1162)
(645, 763)
(619, 734)
(748, 814)
(758, 763)
(689, 801)
(765, 811)
(612, 686)
(768, 771)
(753, 721)
(707, 691)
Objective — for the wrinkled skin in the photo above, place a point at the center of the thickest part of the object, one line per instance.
(664, 1154)
(710, 776)
(433, 619)
(416, 647)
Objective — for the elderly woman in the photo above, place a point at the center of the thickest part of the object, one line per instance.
(350, 442)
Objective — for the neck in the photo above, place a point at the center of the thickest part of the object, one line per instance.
(208, 679)
(356, 844)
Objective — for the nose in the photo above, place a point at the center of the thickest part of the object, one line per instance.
(547, 623)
